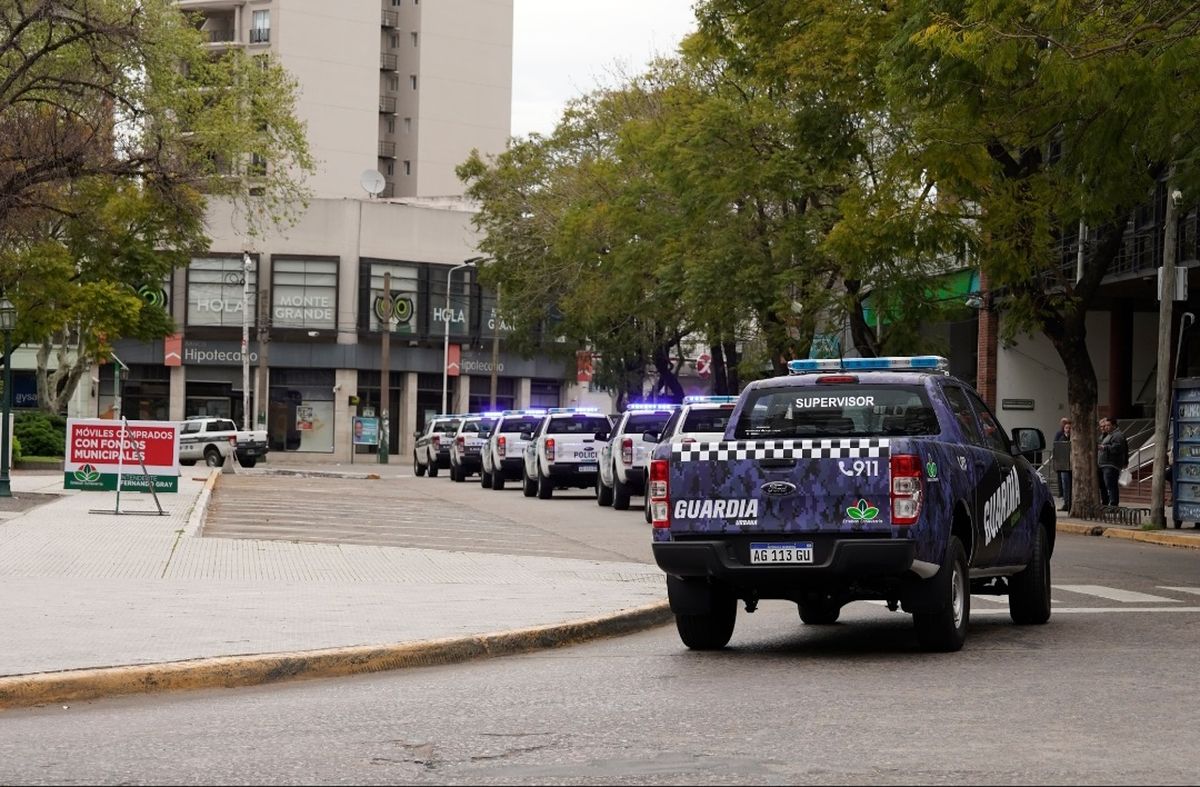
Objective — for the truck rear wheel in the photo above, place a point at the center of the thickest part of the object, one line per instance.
(604, 494)
(418, 468)
(433, 468)
(1029, 591)
(528, 485)
(498, 480)
(485, 479)
(249, 461)
(545, 489)
(212, 457)
(945, 630)
(620, 493)
(710, 630)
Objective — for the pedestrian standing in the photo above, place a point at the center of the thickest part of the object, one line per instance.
(1112, 457)
(1062, 461)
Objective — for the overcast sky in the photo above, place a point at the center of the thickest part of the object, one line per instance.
(567, 48)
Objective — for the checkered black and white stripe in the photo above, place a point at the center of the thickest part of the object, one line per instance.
(838, 448)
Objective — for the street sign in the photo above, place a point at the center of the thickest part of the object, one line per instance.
(98, 450)
(704, 365)
(453, 360)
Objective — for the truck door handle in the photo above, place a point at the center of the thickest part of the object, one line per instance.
(776, 462)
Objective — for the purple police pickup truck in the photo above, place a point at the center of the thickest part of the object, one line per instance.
(857, 478)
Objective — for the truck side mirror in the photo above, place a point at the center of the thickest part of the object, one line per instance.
(650, 437)
(601, 436)
(1028, 441)
(526, 436)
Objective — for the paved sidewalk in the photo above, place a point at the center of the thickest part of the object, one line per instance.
(83, 590)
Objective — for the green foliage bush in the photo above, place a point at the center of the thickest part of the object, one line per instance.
(16, 449)
(41, 434)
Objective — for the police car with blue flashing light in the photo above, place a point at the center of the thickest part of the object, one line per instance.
(466, 447)
(859, 478)
(504, 451)
(564, 450)
(432, 450)
(626, 451)
(698, 419)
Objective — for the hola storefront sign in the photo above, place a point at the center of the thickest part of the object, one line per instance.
(99, 449)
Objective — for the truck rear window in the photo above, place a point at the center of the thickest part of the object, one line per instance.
(578, 424)
(647, 422)
(482, 425)
(442, 427)
(710, 420)
(518, 425)
(837, 411)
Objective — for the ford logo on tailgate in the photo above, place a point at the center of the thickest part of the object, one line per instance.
(778, 488)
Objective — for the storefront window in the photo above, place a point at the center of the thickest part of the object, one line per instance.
(300, 413)
(304, 294)
(481, 393)
(215, 293)
(145, 392)
(459, 313)
(405, 290)
(544, 393)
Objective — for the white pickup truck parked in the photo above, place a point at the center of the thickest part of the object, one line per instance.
(211, 440)
(564, 451)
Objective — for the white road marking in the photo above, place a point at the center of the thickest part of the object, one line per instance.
(1195, 591)
(1116, 594)
(1089, 610)
(990, 599)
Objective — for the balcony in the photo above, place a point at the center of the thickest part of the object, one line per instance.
(260, 35)
(387, 149)
(388, 62)
(387, 105)
(390, 19)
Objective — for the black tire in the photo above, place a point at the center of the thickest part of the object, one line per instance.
(1029, 591)
(418, 468)
(485, 479)
(249, 462)
(621, 495)
(545, 489)
(821, 612)
(945, 630)
(433, 468)
(212, 457)
(646, 508)
(187, 462)
(528, 485)
(604, 494)
(711, 630)
(498, 480)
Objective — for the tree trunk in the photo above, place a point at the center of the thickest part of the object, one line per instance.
(667, 379)
(720, 379)
(732, 359)
(57, 386)
(1081, 396)
(865, 340)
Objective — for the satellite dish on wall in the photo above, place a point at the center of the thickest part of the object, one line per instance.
(372, 182)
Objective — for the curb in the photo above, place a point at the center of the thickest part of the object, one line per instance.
(1146, 536)
(22, 691)
(200, 508)
(368, 476)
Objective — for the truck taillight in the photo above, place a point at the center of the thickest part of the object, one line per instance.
(501, 446)
(437, 442)
(549, 449)
(660, 493)
(233, 440)
(462, 443)
(627, 450)
(687, 440)
(907, 488)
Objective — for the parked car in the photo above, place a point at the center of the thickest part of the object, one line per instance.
(214, 439)
(432, 450)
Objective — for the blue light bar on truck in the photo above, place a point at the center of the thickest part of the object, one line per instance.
(555, 410)
(644, 406)
(894, 363)
(710, 400)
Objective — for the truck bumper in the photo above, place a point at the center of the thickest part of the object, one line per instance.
(835, 561)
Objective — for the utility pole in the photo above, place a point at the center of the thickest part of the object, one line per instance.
(261, 393)
(1162, 378)
(246, 263)
(495, 344)
(384, 370)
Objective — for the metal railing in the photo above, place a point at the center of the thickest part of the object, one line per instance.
(387, 105)
(220, 36)
(390, 19)
(387, 149)
(260, 35)
(388, 62)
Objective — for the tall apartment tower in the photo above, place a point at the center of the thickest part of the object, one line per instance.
(404, 87)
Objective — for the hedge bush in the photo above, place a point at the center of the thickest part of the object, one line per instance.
(41, 434)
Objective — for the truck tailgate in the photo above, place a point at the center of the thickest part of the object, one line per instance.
(781, 486)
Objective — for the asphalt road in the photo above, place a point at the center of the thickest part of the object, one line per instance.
(1104, 693)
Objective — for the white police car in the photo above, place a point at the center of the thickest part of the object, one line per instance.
(466, 449)
(504, 451)
(564, 451)
(623, 460)
(699, 419)
(432, 451)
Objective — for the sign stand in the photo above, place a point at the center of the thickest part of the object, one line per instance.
(120, 472)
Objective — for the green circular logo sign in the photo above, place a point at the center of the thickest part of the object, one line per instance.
(155, 296)
(402, 309)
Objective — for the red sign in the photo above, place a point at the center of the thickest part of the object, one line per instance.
(173, 350)
(453, 360)
(583, 366)
(704, 365)
(98, 443)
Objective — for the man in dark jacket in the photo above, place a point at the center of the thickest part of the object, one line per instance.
(1112, 457)
(1061, 457)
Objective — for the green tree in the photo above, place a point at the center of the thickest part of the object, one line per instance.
(116, 124)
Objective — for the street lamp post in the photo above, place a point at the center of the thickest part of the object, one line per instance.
(8, 321)
(446, 333)
(385, 371)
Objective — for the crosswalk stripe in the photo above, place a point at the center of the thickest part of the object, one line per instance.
(1195, 591)
(1091, 610)
(1116, 594)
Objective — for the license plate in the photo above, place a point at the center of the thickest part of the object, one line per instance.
(588, 468)
(798, 552)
